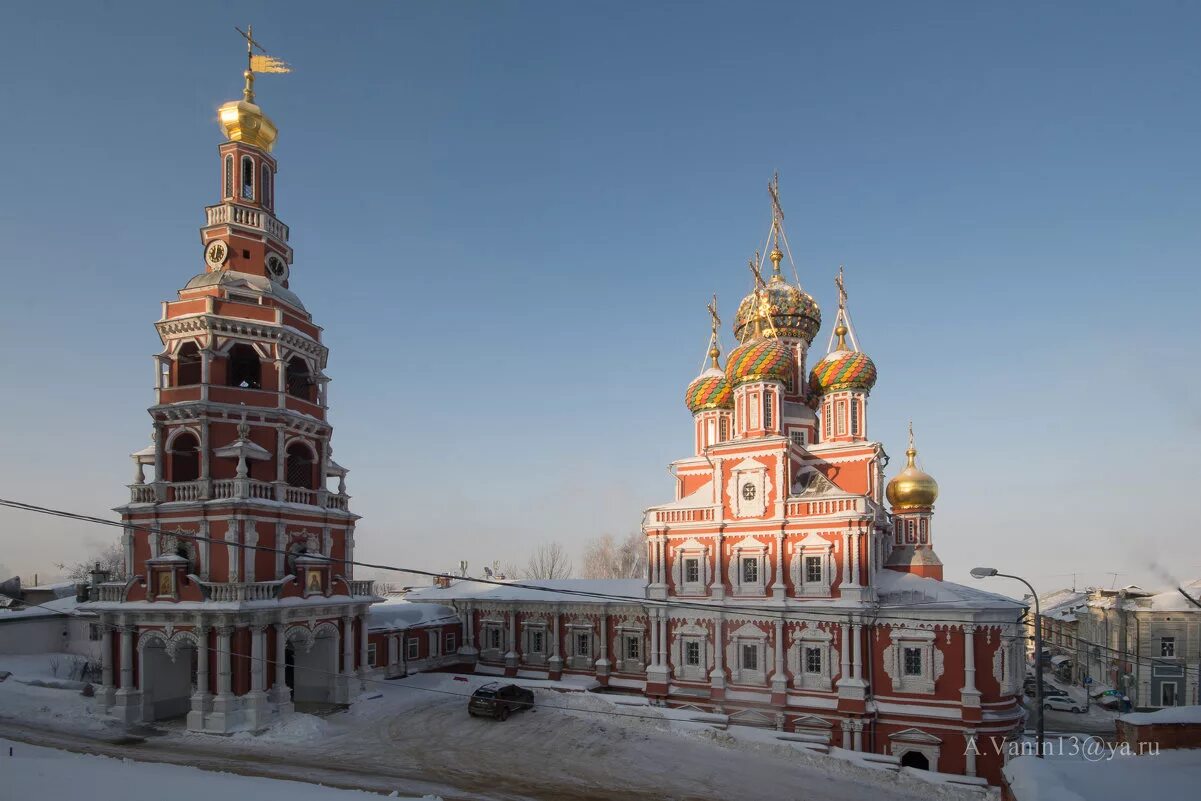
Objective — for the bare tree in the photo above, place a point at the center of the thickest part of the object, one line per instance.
(549, 561)
(607, 557)
(110, 558)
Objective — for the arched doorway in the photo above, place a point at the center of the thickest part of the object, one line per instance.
(184, 458)
(311, 667)
(167, 679)
(915, 759)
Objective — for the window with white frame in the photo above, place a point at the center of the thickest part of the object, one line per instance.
(579, 645)
(813, 659)
(754, 412)
(630, 648)
(924, 531)
(841, 417)
(827, 430)
(723, 428)
(451, 645)
(435, 642)
(412, 648)
(797, 436)
(633, 647)
(247, 178)
(537, 641)
(692, 570)
(1167, 646)
(494, 637)
(854, 416)
(813, 570)
(767, 410)
(583, 644)
(750, 569)
(748, 657)
(371, 654)
(692, 653)
(912, 661)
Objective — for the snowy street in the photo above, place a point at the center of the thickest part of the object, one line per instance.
(415, 737)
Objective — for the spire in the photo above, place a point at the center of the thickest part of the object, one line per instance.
(714, 343)
(911, 453)
(842, 321)
(762, 310)
(777, 226)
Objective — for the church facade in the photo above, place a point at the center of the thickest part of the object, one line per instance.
(241, 602)
(789, 585)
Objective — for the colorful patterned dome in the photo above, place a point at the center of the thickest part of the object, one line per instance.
(794, 312)
(762, 359)
(843, 369)
(709, 390)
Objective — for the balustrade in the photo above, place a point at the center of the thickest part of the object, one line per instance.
(250, 218)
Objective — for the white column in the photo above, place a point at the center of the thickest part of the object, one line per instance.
(127, 658)
(717, 678)
(970, 752)
(258, 655)
(969, 695)
(200, 693)
(348, 645)
(845, 674)
(224, 672)
(602, 662)
(363, 666)
(777, 587)
(857, 734)
(857, 659)
(511, 654)
(664, 641)
(846, 558)
(204, 449)
(106, 656)
(779, 681)
(281, 664)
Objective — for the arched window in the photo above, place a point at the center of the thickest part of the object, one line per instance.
(247, 178)
(187, 365)
(301, 469)
(299, 380)
(266, 184)
(184, 458)
(229, 176)
(245, 369)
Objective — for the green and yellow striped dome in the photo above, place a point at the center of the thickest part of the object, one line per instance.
(709, 390)
(763, 359)
(843, 369)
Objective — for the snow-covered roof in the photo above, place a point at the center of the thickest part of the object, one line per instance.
(59, 606)
(60, 587)
(703, 496)
(900, 589)
(559, 590)
(400, 613)
(1138, 600)
(1063, 604)
(1172, 774)
(1171, 714)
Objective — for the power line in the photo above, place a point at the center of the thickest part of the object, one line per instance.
(833, 614)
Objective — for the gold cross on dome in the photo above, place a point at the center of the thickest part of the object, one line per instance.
(712, 307)
(773, 189)
(842, 289)
(757, 270)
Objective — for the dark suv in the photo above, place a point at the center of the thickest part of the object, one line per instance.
(497, 700)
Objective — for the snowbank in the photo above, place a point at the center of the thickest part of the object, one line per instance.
(33, 772)
(1171, 774)
(1172, 714)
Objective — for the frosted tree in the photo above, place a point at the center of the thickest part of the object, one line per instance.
(549, 561)
(606, 557)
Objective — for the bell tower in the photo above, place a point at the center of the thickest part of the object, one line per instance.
(241, 541)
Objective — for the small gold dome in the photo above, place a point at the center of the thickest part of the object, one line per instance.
(243, 121)
(912, 488)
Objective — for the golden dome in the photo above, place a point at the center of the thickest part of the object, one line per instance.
(243, 121)
(912, 488)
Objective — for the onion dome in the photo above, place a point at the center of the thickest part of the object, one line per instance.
(843, 368)
(761, 359)
(793, 311)
(912, 487)
(709, 390)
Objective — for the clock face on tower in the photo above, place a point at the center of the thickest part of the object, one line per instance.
(216, 254)
(748, 491)
(276, 268)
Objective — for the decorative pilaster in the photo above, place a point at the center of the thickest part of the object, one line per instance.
(511, 657)
(969, 695)
(779, 679)
(200, 694)
(282, 694)
(225, 702)
(602, 662)
(777, 585)
(555, 663)
(717, 676)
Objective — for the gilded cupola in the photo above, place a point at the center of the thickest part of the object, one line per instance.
(242, 120)
(912, 488)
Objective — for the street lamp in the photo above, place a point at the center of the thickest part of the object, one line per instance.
(1040, 732)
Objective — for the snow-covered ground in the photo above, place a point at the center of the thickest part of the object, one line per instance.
(32, 772)
(414, 735)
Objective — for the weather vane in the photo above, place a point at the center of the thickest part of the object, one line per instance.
(261, 63)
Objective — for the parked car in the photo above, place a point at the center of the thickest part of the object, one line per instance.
(495, 700)
(1063, 703)
(1048, 691)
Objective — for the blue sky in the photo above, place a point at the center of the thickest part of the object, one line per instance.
(509, 216)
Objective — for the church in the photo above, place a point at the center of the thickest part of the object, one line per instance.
(790, 584)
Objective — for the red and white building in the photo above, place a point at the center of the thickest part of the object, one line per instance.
(789, 585)
(242, 600)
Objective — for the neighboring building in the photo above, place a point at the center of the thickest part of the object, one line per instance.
(1146, 645)
(404, 637)
(53, 626)
(211, 624)
(1172, 775)
(1168, 728)
(780, 589)
(1060, 610)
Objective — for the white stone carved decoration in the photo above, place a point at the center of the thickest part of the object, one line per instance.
(748, 548)
(690, 549)
(811, 482)
(748, 488)
(812, 637)
(680, 636)
(749, 636)
(813, 545)
(1006, 660)
(932, 666)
